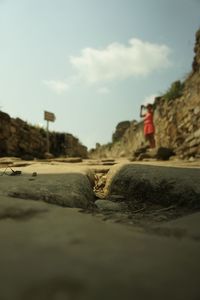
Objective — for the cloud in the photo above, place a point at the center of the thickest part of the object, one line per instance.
(103, 90)
(118, 61)
(149, 99)
(114, 62)
(57, 86)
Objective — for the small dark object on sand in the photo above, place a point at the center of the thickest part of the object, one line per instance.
(14, 173)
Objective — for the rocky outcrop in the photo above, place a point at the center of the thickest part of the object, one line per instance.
(66, 144)
(120, 130)
(18, 138)
(196, 62)
(68, 190)
(132, 139)
(176, 117)
(178, 121)
(153, 184)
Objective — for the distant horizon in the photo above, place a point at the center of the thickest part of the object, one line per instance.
(92, 63)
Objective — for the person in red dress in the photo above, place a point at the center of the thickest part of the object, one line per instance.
(149, 129)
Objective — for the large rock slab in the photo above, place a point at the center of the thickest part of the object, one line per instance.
(63, 254)
(110, 206)
(70, 189)
(155, 184)
(21, 210)
(184, 227)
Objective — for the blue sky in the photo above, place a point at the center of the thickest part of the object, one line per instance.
(91, 62)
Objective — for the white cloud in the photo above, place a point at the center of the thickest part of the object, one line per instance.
(115, 62)
(57, 86)
(149, 99)
(118, 61)
(103, 90)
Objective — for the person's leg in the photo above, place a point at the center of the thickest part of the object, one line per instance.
(147, 140)
(152, 141)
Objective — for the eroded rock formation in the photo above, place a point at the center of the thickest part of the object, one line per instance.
(18, 138)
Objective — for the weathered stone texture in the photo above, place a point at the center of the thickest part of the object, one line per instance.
(196, 62)
(120, 130)
(18, 138)
(154, 184)
(183, 133)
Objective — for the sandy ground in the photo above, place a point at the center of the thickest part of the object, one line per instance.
(48, 167)
(53, 253)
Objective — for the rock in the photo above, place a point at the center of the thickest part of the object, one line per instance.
(161, 153)
(108, 160)
(18, 138)
(122, 154)
(197, 133)
(191, 159)
(140, 150)
(154, 184)
(164, 153)
(108, 163)
(10, 161)
(27, 157)
(196, 110)
(139, 153)
(69, 160)
(196, 61)
(21, 164)
(149, 154)
(187, 226)
(91, 177)
(120, 130)
(175, 158)
(101, 180)
(116, 197)
(48, 155)
(70, 190)
(110, 206)
(20, 210)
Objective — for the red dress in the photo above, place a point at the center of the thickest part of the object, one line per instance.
(148, 123)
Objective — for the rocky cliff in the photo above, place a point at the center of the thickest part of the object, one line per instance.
(177, 120)
(18, 138)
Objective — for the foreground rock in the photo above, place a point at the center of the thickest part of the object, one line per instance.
(21, 210)
(50, 252)
(110, 206)
(53, 253)
(70, 189)
(162, 153)
(154, 184)
(69, 160)
(185, 227)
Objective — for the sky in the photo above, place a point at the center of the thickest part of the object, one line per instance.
(91, 62)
